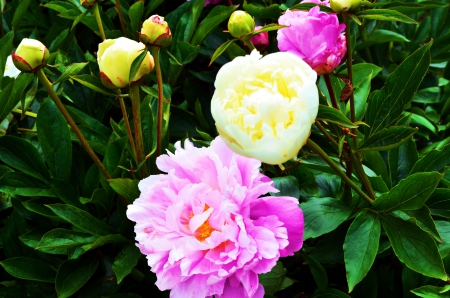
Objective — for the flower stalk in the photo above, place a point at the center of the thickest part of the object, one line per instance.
(49, 87)
(127, 124)
(155, 54)
(136, 106)
(331, 91)
(122, 21)
(311, 144)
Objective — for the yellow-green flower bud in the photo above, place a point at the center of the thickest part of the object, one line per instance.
(355, 5)
(30, 55)
(341, 5)
(240, 24)
(155, 32)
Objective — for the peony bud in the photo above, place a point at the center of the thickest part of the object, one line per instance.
(87, 3)
(155, 32)
(341, 5)
(261, 40)
(30, 55)
(115, 57)
(240, 24)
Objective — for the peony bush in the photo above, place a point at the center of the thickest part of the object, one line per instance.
(224, 148)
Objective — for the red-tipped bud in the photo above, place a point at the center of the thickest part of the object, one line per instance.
(155, 32)
(30, 55)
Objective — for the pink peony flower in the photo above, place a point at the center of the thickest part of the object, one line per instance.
(315, 37)
(204, 227)
(261, 40)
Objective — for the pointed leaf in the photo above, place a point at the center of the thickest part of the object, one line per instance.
(125, 261)
(410, 194)
(414, 247)
(401, 160)
(137, 64)
(62, 238)
(435, 160)
(221, 49)
(323, 215)
(385, 15)
(29, 269)
(71, 70)
(361, 246)
(388, 138)
(73, 274)
(126, 187)
(330, 114)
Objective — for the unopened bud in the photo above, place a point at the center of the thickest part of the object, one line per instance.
(341, 5)
(30, 55)
(240, 24)
(261, 40)
(155, 32)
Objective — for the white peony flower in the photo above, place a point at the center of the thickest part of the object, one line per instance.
(264, 107)
(114, 59)
(10, 69)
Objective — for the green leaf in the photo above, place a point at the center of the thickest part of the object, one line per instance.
(423, 219)
(287, 185)
(330, 114)
(137, 63)
(323, 215)
(152, 6)
(401, 160)
(93, 83)
(435, 160)
(214, 18)
(79, 19)
(126, 187)
(29, 269)
(266, 28)
(115, 238)
(387, 104)
(54, 138)
(71, 70)
(113, 155)
(273, 279)
(62, 238)
(33, 238)
(330, 293)
(25, 185)
(125, 261)
(135, 13)
(73, 274)
(410, 194)
(6, 47)
(308, 6)
(361, 246)
(430, 292)
(381, 36)
(12, 97)
(81, 219)
(37, 206)
(388, 138)
(19, 13)
(385, 15)
(414, 247)
(221, 49)
(185, 52)
(272, 11)
(439, 202)
(318, 272)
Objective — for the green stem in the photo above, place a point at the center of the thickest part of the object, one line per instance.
(326, 134)
(336, 169)
(127, 125)
(350, 75)
(49, 87)
(362, 176)
(122, 21)
(136, 106)
(249, 44)
(331, 91)
(96, 12)
(155, 54)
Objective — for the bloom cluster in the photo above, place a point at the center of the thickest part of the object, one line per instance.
(204, 226)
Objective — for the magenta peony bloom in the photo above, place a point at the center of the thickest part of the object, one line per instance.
(204, 227)
(261, 40)
(314, 36)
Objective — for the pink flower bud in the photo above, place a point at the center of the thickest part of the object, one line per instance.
(155, 32)
(87, 3)
(314, 36)
(30, 55)
(261, 40)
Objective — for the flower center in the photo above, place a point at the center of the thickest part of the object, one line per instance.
(205, 230)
